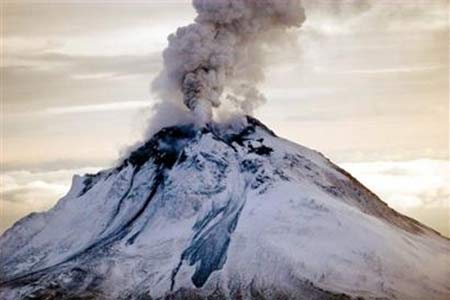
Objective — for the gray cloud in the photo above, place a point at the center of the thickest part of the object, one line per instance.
(75, 64)
(76, 80)
(58, 18)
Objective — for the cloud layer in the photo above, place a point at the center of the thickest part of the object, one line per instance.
(23, 192)
(419, 188)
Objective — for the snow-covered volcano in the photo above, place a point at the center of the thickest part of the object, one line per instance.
(224, 212)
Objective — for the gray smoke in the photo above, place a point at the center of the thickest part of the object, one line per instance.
(221, 55)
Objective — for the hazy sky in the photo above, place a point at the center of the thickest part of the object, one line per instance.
(364, 82)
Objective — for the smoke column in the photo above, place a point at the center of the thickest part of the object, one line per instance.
(221, 55)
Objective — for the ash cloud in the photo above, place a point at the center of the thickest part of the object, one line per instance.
(220, 57)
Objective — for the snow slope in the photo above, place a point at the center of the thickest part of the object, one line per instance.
(228, 211)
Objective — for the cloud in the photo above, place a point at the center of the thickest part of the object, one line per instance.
(343, 17)
(23, 192)
(403, 184)
(53, 79)
(404, 69)
(418, 188)
(415, 188)
(82, 109)
(74, 65)
(100, 28)
(26, 194)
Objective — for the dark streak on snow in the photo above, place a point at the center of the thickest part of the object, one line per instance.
(209, 245)
(163, 149)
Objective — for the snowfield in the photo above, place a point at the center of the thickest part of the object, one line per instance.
(228, 211)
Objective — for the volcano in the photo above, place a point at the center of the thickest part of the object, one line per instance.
(222, 212)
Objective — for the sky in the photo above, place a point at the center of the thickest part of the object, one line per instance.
(364, 82)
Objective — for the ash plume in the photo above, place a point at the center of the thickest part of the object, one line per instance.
(220, 57)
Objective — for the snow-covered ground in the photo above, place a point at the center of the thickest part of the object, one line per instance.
(228, 208)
